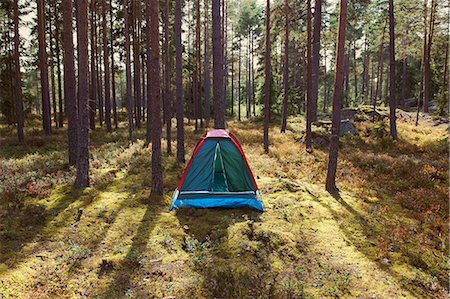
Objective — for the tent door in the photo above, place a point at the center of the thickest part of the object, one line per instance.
(219, 183)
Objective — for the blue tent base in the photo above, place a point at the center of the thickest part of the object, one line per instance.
(218, 202)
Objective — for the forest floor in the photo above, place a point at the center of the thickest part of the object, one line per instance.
(384, 236)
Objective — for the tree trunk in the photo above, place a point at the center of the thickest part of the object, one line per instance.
(168, 69)
(82, 177)
(337, 97)
(93, 87)
(113, 74)
(101, 104)
(247, 78)
(286, 67)
(52, 69)
(316, 58)
(219, 99)
(69, 82)
(404, 72)
(392, 99)
(325, 100)
(45, 93)
(18, 107)
(107, 69)
(309, 104)
(179, 82)
(355, 72)
(136, 61)
(267, 80)
(196, 85)
(152, 10)
(58, 74)
(239, 82)
(426, 79)
(129, 100)
(207, 63)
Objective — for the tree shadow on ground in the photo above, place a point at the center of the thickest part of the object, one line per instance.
(229, 251)
(364, 245)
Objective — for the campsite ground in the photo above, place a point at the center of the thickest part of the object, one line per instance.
(384, 236)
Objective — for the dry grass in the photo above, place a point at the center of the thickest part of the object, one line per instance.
(384, 236)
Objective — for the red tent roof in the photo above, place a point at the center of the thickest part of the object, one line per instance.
(221, 133)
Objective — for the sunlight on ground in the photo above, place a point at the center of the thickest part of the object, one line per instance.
(384, 236)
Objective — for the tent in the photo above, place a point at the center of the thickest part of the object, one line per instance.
(217, 175)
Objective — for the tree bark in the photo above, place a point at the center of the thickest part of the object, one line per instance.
(69, 82)
(152, 10)
(219, 99)
(58, 73)
(18, 107)
(404, 72)
(196, 85)
(129, 100)
(315, 60)
(179, 82)
(267, 80)
(113, 75)
(93, 86)
(82, 177)
(426, 79)
(239, 81)
(285, 67)
(52, 68)
(207, 63)
(43, 67)
(136, 8)
(107, 69)
(337, 97)
(309, 104)
(168, 69)
(392, 99)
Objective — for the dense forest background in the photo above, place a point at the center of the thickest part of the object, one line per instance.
(103, 101)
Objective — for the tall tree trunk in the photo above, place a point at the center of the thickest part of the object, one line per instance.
(82, 178)
(347, 83)
(337, 97)
(45, 93)
(253, 75)
(392, 99)
(207, 63)
(168, 69)
(107, 69)
(18, 107)
(69, 82)
(309, 104)
(219, 99)
(129, 100)
(247, 78)
(179, 82)
(58, 72)
(426, 79)
(136, 61)
(152, 10)
(113, 74)
(93, 87)
(325, 99)
(196, 87)
(315, 60)
(52, 68)
(232, 78)
(239, 81)
(355, 72)
(286, 67)
(267, 80)
(101, 104)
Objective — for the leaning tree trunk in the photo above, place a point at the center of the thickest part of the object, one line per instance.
(70, 81)
(107, 69)
(82, 177)
(18, 107)
(315, 59)
(286, 67)
(152, 12)
(43, 67)
(267, 80)
(392, 99)
(219, 99)
(179, 82)
(129, 100)
(309, 104)
(337, 98)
